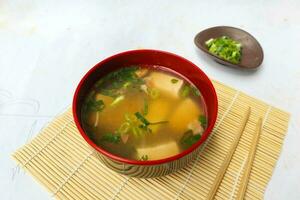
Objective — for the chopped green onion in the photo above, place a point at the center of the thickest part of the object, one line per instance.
(144, 158)
(129, 117)
(226, 48)
(135, 131)
(145, 109)
(93, 105)
(173, 80)
(117, 100)
(209, 42)
(140, 117)
(161, 122)
(154, 93)
(124, 128)
(185, 91)
(188, 138)
(145, 128)
(127, 84)
(111, 138)
(203, 121)
(195, 91)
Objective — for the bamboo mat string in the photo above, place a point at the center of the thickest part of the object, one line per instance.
(49, 142)
(73, 172)
(205, 144)
(227, 110)
(237, 178)
(266, 116)
(120, 188)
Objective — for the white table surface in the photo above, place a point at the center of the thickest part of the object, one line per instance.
(47, 46)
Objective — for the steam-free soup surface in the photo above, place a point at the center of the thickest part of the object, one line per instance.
(144, 113)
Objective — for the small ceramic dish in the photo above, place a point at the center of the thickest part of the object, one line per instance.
(151, 168)
(252, 53)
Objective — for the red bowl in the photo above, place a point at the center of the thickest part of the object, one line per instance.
(151, 57)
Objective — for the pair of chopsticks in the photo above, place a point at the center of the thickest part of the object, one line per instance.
(251, 155)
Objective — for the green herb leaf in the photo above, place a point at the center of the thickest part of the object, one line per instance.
(140, 117)
(203, 121)
(188, 138)
(226, 48)
(144, 158)
(111, 138)
(173, 80)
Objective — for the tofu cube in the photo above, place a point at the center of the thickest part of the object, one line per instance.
(158, 110)
(163, 82)
(160, 151)
(186, 112)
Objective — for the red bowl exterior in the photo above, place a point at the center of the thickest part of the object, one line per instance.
(151, 57)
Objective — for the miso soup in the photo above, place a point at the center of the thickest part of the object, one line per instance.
(144, 113)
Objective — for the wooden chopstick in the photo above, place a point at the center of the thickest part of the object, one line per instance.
(251, 155)
(226, 161)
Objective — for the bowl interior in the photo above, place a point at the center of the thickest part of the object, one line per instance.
(252, 53)
(152, 57)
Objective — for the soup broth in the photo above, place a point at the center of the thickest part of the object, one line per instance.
(144, 113)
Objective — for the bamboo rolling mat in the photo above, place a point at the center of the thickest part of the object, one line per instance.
(62, 161)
